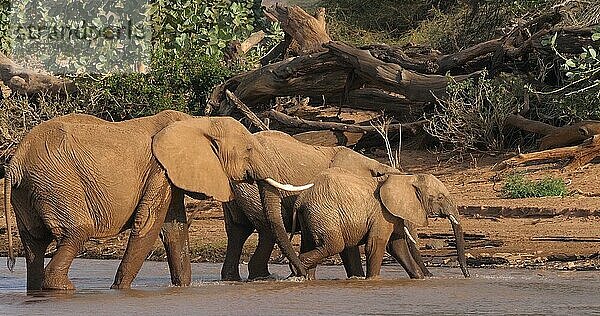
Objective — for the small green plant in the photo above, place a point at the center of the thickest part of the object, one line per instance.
(517, 186)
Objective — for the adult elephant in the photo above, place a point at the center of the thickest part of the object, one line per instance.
(297, 163)
(77, 177)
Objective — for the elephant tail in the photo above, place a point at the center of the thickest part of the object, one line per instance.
(10, 261)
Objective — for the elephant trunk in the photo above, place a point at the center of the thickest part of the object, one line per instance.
(10, 261)
(460, 245)
(271, 201)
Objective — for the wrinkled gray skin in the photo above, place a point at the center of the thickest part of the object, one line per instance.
(296, 163)
(77, 177)
(345, 210)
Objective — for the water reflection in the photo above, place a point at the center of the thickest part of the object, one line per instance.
(498, 291)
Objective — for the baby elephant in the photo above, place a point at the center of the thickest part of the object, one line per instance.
(343, 210)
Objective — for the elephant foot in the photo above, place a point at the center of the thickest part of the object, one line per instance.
(235, 278)
(260, 275)
(270, 277)
(120, 286)
(57, 283)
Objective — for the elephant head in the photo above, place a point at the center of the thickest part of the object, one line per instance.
(415, 197)
(203, 154)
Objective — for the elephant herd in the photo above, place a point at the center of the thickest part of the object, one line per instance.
(78, 177)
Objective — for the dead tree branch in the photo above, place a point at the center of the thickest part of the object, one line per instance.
(578, 155)
(28, 82)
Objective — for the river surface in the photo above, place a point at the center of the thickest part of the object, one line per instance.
(487, 292)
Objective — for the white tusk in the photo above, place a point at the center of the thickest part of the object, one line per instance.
(288, 187)
(409, 236)
(453, 219)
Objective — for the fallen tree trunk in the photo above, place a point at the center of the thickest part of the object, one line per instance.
(24, 81)
(333, 126)
(308, 33)
(528, 125)
(374, 99)
(555, 137)
(570, 134)
(578, 155)
(393, 77)
(329, 138)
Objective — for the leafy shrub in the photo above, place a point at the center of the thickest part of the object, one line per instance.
(210, 24)
(517, 186)
(172, 83)
(578, 96)
(180, 82)
(5, 38)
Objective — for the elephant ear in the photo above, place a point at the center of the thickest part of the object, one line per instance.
(188, 154)
(400, 197)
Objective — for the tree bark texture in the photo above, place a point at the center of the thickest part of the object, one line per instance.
(578, 155)
(22, 81)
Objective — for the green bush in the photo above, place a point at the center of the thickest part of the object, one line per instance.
(517, 186)
(5, 38)
(180, 82)
(210, 24)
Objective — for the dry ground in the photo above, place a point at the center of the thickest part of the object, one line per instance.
(561, 233)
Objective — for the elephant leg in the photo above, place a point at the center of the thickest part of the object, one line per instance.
(307, 244)
(352, 263)
(237, 234)
(374, 250)
(149, 217)
(258, 266)
(56, 272)
(332, 245)
(35, 249)
(175, 238)
(398, 248)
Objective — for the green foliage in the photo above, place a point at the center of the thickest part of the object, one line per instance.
(179, 81)
(210, 24)
(517, 186)
(472, 114)
(578, 94)
(5, 38)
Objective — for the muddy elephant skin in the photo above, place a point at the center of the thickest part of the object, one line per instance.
(343, 210)
(296, 163)
(76, 177)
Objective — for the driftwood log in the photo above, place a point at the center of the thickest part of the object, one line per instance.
(235, 49)
(299, 123)
(307, 33)
(333, 75)
(554, 137)
(578, 155)
(22, 81)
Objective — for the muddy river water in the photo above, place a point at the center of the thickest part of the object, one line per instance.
(489, 291)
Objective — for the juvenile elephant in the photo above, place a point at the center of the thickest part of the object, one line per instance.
(343, 210)
(77, 177)
(296, 162)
